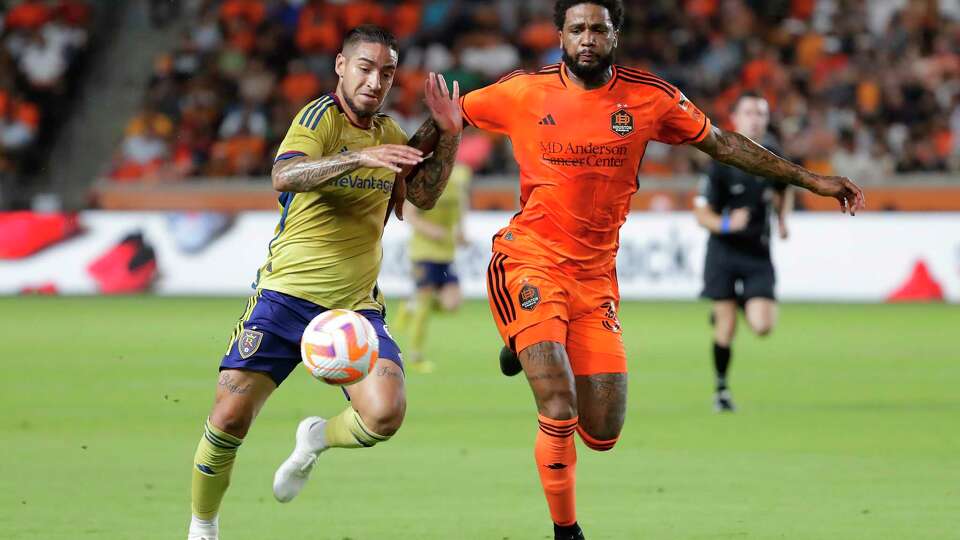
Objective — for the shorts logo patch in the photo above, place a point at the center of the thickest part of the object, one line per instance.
(621, 122)
(249, 343)
(611, 322)
(529, 297)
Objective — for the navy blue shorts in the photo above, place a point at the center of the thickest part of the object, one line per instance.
(433, 274)
(267, 337)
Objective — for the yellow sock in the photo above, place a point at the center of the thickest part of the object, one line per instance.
(418, 322)
(347, 430)
(211, 471)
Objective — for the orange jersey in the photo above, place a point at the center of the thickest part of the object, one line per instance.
(579, 153)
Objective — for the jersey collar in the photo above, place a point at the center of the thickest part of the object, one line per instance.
(570, 85)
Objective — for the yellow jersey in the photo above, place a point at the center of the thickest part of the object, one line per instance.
(447, 214)
(326, 247)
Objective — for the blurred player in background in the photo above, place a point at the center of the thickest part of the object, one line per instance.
(337, 171)
(432, 250)
(579, 130)
(735, 207)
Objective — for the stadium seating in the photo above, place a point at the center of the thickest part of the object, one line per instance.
(42, 44)
(222, 98)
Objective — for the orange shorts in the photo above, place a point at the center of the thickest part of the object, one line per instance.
(532, 303)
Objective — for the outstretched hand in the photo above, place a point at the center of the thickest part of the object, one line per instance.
(843, 189)
(390, 156)
(444, 108)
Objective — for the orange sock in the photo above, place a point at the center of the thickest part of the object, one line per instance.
(557, 464)
(596, 444)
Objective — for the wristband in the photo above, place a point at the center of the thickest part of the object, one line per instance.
(725, 224)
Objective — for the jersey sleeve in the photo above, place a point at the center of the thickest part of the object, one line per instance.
(312, 131)
(490, 108)
(681, 122)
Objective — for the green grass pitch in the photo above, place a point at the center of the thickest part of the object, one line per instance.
(849, 428)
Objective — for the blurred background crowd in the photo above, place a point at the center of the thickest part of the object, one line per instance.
(862, 88)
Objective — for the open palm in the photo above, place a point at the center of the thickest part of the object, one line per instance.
(444, 108)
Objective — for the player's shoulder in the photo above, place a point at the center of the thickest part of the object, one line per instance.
(393, 132)
(549, 74)
(639, 80)
(322, 109)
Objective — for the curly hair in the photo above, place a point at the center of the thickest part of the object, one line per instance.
(614, 7)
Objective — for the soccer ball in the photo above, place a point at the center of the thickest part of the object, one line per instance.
(339, 347)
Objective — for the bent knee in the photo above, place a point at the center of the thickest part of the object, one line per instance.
(559, 404)
(384, 418)
(234, 421)
(762, 330)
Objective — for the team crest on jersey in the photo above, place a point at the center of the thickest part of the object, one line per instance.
(249, 343)
(611, 322)
(621, 122)
(529, 297)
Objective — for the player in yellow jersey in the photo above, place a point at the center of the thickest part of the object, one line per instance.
(432, 249)
(336, 170)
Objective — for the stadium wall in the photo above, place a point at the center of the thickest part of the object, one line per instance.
(827, 257)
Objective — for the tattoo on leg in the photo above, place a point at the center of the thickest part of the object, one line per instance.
(384, 371)
(227, 382)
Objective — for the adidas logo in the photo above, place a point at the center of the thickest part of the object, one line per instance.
(547, 121)
(556, 466)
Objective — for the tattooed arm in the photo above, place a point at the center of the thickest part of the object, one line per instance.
(444, 125)
(430, 179)
(301, 174)
(738, 151)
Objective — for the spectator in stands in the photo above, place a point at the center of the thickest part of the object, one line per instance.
(44, 64)
(145, 147)
(28, 15)
(816, 62)
(300, 84)
(19, 123)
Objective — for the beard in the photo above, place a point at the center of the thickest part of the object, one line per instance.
(361, 113)
(592, 74)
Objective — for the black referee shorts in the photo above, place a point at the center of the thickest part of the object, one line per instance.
(731, 275)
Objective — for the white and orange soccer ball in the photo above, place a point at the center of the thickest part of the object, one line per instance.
(339, 347)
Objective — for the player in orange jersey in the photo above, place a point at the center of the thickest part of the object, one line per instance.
(579, 130)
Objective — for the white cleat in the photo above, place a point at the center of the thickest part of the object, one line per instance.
(289, 479)
(201, 529)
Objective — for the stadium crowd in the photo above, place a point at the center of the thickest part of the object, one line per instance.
(854, 91)
(42, 44)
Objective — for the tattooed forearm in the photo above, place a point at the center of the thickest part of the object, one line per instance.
(301, 174)
(425, 187)
(739, 151)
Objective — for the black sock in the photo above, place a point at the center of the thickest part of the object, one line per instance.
(721, 361)
(568, 531)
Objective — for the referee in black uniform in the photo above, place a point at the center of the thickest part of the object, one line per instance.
(735, 207)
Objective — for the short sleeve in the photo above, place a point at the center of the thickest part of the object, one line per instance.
(491, 107)
(681, 121)
(312, 130)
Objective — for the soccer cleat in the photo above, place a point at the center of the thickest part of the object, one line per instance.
(292, 474)
(202, 529)
(724, 401)
(509, 362)
(567, 532)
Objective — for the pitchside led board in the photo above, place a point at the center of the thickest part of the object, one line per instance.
(829, 257)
